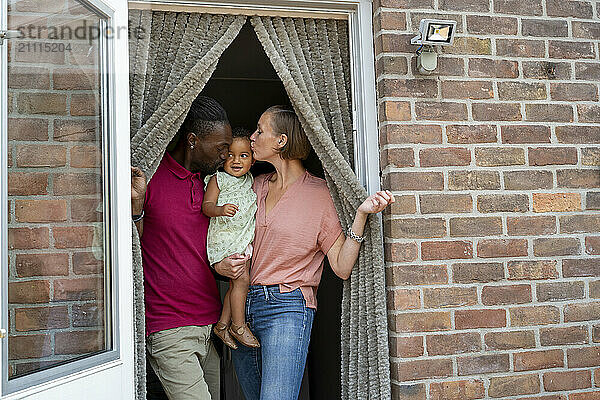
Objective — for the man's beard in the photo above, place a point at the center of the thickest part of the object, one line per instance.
(209, 168)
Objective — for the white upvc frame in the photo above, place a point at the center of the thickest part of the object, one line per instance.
(87, 376)
(359, 15)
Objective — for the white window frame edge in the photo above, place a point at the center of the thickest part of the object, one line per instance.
(61, 374)
(359, 15)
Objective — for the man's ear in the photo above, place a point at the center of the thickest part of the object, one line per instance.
(192, 139)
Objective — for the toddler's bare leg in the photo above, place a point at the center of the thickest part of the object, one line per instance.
(237, 298)
(226, 313)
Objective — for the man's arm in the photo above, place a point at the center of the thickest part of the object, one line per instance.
(138, 196)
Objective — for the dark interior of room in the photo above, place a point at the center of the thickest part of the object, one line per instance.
(246, 84)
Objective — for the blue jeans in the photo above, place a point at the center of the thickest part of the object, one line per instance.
(282, 323)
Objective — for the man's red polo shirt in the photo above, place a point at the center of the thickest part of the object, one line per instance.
(180, 288)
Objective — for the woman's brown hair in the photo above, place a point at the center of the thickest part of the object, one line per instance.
(285, 121)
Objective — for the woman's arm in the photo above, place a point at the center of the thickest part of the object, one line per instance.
(344, 252)
(209, 204)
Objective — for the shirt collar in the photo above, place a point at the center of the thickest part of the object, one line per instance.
(177, 168)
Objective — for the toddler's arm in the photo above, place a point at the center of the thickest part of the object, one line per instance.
(209, 204)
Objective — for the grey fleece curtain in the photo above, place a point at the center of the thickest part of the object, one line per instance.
(311, 58)
(171, 57)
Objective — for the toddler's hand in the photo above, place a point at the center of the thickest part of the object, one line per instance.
(229, 210)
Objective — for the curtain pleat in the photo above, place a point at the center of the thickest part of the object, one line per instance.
(171, 58)
(311, 58)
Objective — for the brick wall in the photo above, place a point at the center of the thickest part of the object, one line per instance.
(493, 246)
(55, 195)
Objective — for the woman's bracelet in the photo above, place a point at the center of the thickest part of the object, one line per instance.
(354, 236)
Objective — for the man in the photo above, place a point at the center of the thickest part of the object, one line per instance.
(181, 296)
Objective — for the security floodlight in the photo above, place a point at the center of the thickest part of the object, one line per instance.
(432, 32)
(435, 32)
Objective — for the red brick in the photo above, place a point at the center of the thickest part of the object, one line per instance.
(499, 156)
(465, 134)
(588, 113)
(43, 264)
(85, 105)
(390, 21)
(592, 245)
(545, 247)
(389, 64)
(477, 90)
(552, 155)
(416, 228)
(496, 112)
(449, 297)
(557, 336)
(27, 183)
(514, 385)
(397, 157)
(491, 25)
(40, 210)
(579, 223)
(79, 342)
(532, 360)
(28, 78)
(556, 202)
(544, 28)
(531, 270)
(68, 183)
(473, 180)
(42, 102)
(502, 248)
(474, 319)
(75, 79)
(546, 70)
(578, 134)
(41, 318)
(446, 250)
(570, 50)
(578, 178)
(592, 201)
(528, 226)
(400, 252)
(79, 130)
(447, 66)
(73, 237)
(409, 392)
(404, 299)
(28, 238)
(475, 226)
(470, 45)
(477, 272)
(405, 347)
(580, 267)
(483, 364)
(583, 357)
(445, 203)
(41, 156)
(595, 289)
(29, 346)
(511, 294)
(404, 204)
(457, 390)
(421, 322)
(453, 344)
(395, 111)
(582, 312)
(400, 275)
(487, 68)
(510, 340)
(78, 289)
(528, 180)
(585, 396)
(549, 112)
(520, 48)
(421, 369)
(407, 88)
(86, 210)
(413, 133)
(532, 7)
(439, 157)
(521, 91)
(525, 134)
(85, 157)
(408, 181)
(393, 43)
(587, 70)
(28, 129)
(534, 315)
(573, 91)
(568, 8)
(590, 156)
(25, 292)
(587, 30)
(567, 380)
(87, 263)
(88, 315)
(441, 111)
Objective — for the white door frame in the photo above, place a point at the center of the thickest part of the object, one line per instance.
(110, 374)
(362, 59)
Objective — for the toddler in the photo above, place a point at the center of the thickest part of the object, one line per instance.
(231, 203)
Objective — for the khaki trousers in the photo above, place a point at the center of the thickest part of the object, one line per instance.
(186, 362)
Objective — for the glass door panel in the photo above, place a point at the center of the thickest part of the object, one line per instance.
(58, 265)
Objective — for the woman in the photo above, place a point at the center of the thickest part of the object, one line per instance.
(296, 226)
